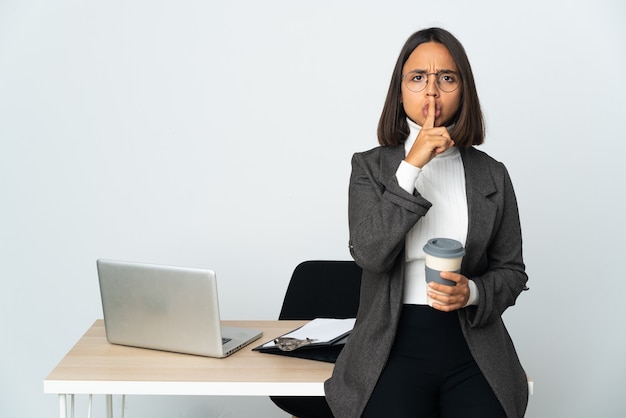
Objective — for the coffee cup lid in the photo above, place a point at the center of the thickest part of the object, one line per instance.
(444, 247)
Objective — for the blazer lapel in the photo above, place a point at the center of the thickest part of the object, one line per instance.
(482, 212)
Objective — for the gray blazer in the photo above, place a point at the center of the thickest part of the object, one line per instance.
(380, 215)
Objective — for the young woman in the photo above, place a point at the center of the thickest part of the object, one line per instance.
(455, 358)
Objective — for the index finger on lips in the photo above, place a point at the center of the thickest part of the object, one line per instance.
(430, 116)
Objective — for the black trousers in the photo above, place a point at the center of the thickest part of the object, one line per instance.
(430, 372)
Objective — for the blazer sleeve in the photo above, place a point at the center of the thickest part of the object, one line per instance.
(380, 212)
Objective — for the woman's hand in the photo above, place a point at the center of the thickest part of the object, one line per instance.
(430, 141)
(449, 298)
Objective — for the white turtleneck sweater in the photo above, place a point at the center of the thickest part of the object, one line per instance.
(442, 183)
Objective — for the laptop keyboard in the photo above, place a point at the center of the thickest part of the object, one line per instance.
(225, 340)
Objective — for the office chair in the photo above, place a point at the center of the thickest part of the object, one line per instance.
(319, 289)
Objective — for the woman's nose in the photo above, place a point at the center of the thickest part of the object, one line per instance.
(431, 86)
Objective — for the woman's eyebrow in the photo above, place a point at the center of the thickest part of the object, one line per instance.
(442, 70)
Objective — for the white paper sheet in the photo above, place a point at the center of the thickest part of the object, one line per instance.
(320, 330)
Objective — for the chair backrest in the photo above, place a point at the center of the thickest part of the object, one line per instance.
(323, 289)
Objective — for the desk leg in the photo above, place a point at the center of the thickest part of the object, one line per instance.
(62, 406)
(109, 401)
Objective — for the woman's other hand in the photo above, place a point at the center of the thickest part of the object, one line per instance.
(449, 298)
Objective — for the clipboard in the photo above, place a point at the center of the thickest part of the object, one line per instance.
(327, 338)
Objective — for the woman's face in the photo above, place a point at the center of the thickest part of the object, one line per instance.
(427, 60)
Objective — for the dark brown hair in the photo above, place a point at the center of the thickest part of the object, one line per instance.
(468, 129)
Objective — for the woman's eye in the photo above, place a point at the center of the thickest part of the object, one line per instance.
(447, 78)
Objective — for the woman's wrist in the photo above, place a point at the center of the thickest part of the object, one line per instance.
(473, 293)
(406, 175)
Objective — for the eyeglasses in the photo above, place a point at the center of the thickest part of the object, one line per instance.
(447, 81)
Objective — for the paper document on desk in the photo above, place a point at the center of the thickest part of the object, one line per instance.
(321, 331)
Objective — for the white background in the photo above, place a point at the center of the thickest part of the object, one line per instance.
(219, 135)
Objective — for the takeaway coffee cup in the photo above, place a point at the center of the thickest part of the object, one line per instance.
(442, 254)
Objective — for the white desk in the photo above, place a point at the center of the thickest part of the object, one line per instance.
(94, 366)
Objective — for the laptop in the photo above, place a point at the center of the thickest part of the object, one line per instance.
(166, 308)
